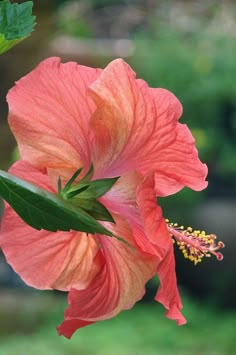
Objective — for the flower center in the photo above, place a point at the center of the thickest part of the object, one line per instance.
(195, 244)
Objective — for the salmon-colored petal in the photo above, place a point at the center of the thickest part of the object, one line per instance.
(168, 293)
(43, 259)
(49, 111)
(120, 284)
(152, 216)
(178, 165)
(136, 128)
(133, 197)
(122, 199)
(157, 233)
(68, 327)
(122, 122)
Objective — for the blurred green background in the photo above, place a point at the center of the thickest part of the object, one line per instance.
(189, 48)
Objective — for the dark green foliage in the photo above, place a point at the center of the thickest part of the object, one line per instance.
(43, 210)
(84, 193)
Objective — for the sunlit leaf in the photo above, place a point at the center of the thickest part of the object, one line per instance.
(16, 23)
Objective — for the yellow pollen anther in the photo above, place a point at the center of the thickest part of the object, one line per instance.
(195, 244)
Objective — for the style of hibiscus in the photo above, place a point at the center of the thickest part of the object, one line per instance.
(67, 117)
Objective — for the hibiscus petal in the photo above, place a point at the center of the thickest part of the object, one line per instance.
(68, 327)
(119, 123)
(167, 293)
(43, 259)
(157, 233)
(154, 223)
(178, 165)
(49, 111)
(121, 198)
(136, 127)
(118, 286)
(126, 196)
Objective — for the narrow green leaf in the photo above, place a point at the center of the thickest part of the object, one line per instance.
(75, 192)
(72, 179)
(97, 188)
(43, 210)
(95, 208)
(59, 185)
(16, 23)
(88, 176)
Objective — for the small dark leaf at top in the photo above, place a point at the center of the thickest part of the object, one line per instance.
(16, 20)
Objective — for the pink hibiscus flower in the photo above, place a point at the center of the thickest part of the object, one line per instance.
(67, 116)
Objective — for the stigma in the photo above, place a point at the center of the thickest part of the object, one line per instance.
(195, 244)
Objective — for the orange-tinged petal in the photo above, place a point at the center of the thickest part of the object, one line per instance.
(157, 233)
(68, 327)
(154, 223)
(168, 293)
(49, 111)
(121, 198)
(178, 165)
(120, 284)
(132, 195)
(43, 259)
(136, 128)
(120, 121)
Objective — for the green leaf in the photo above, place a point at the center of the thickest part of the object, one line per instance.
(96, 188)
(72, 179)
(89, 175)
(59, 185)
(16, 23)
(43, 210)
(74, 192)
(16, 20)
(6, 45)
(95, 208)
